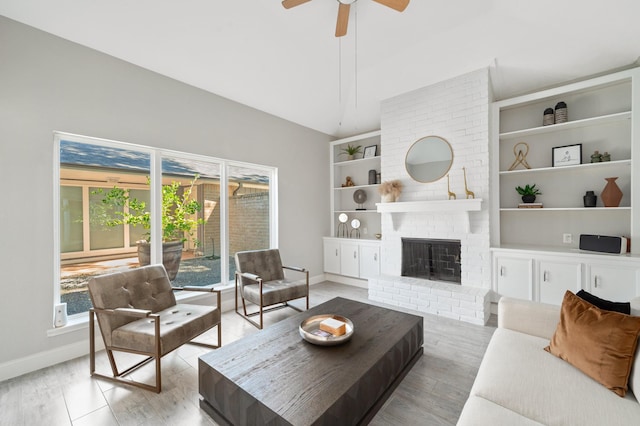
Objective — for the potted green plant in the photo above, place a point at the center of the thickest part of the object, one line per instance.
(178, 224)
(528, 193)
(350, 151)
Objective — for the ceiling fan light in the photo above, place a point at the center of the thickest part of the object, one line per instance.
(349, 2)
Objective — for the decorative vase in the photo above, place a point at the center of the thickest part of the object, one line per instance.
(372, 177)
(528, 199)
(611, 194)
(548, 118)
(388, 198)
(561, 115)
(171, 256)
(590, 199)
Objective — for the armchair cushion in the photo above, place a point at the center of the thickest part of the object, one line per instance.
(178, 324)
(275, 292)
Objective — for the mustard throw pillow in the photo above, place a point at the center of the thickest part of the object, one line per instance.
(599, 343)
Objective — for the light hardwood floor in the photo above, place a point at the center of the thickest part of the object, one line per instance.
(433, 392)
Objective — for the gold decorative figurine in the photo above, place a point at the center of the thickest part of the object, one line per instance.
(521, 157)
(466, 189)
(451, 194)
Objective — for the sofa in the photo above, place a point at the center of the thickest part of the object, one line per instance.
(519, 383)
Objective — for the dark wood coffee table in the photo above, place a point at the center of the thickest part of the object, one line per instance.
(275, 377)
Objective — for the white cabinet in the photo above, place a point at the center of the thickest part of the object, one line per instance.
(545, 275)
(613, 282)
(513, 276)
(332, 256)
(369, 260)
(556, 277)
(351, 257)
(603, 115)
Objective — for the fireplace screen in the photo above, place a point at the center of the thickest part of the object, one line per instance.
(437, 260)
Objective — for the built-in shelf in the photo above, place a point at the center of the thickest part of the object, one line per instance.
(604, 164)
(595, 121)
(359, 160)
(357, 211)
(357, 186)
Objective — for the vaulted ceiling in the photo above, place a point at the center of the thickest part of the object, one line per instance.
(287, 62)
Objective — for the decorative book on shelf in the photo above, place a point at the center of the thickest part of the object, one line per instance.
(530, 205)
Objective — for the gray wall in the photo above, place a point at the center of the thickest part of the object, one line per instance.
(48, 84)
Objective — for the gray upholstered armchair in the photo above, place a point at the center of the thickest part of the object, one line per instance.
(260, 279)
(137, 313)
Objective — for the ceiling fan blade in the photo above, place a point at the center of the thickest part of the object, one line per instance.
(343, 19)
(399, 5)
(288, 4)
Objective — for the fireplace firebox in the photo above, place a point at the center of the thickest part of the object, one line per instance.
(432, 259)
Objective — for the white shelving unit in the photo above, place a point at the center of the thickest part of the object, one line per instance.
(602, 112)
(358, 169)
(353, 260)
(529, 256)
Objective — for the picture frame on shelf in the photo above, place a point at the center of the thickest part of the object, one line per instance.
(567, 155)
(370, 151)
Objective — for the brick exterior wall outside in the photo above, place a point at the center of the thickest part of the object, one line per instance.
(248, 219)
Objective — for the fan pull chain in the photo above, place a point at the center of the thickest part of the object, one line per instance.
(356, 56)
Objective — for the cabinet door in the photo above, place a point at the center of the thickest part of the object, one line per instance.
(369, 261)
(332, 257)
(349, 260)
(514, 277)
(613, 283)
(555, 278)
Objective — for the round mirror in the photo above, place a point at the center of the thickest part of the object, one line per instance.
(355, 223)
(429, 159)
(343, 218)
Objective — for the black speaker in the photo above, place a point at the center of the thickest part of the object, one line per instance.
(603, 243)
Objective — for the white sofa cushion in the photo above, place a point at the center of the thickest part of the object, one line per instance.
(518, 374)
(479, 411)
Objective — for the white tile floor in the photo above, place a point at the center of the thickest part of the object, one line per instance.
(432, 393)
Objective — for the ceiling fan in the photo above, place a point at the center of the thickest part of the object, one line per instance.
(343, 10)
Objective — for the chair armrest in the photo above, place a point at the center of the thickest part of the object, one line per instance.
(534, 318)
(139, 313)
(252, 277)
(295, 268)
(205, 289)
(131, 312)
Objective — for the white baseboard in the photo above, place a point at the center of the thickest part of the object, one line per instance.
(33, 362)
(356, 282)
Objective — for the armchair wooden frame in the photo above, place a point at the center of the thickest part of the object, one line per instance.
(261, 311)
(155, 355)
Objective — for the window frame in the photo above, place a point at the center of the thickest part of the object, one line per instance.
(156, 155)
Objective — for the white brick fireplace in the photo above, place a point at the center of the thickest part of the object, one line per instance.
(456, 110)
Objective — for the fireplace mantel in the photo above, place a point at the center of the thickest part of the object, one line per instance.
(465, 206)
(468, 205)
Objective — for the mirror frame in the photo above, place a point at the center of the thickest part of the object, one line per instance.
(423, 139)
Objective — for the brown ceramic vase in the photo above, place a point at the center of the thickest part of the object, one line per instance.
(611, 194)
